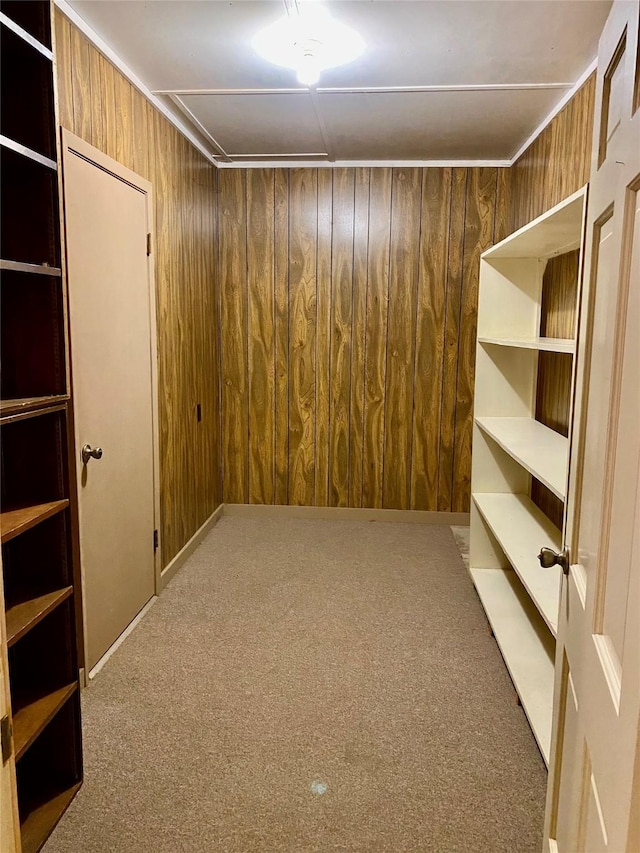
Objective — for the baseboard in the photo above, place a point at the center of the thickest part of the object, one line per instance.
(343, 513)
(116, 645)
(187, 550)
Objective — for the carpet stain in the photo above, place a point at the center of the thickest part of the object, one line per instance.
(318, 788)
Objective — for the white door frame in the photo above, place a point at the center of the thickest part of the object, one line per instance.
(73, 146)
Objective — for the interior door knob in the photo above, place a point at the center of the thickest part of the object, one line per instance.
(88, 453)
(548, 557)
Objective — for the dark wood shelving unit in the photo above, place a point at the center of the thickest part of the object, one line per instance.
(38, 517)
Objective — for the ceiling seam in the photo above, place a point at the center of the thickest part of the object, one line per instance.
(187, 132)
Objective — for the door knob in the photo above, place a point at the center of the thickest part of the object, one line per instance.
(88, 453)
(548, 557)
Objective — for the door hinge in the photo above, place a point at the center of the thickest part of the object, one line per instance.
(6, 733)
(155, 540)
(148, 244)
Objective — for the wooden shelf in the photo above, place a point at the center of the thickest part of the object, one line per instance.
(525, 644)
(17, 521)
(37, 269)
(29, 721)
(28, 152)
(541, 451)
(25, 36)
(39, 824)
(565, 345)
(22, 617)
(522, 529)
(557, 231)
(25, 404)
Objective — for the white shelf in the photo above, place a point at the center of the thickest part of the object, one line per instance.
(541, 451)
(526, 646)
(522, 529)
(566, 345)
(557, 231)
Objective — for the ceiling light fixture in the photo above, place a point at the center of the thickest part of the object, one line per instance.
(309, 41)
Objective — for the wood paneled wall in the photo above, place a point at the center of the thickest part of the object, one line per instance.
(557, 163)
(554, 166)
(348, 322)
(98, 104)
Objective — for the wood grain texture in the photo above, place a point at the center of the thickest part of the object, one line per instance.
(102, 107)
(434, 250)
(368, 267)
(261, 306)
(341, 343)
(303, 233)
(401, 324)
(557, 163)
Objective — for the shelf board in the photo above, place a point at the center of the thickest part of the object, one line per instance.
(25, 36)
(23, 404)
(526, 646)
(36, 269)
(29, 721)
(17, 521)
(22, 617)
(541, 451)
(565, 345)
(522, 529)
(557, 231)
(28, 152)
(40, 822)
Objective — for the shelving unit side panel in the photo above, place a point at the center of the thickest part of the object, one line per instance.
(510, 297)
(505, 382)
(493, 470)
(484, 549)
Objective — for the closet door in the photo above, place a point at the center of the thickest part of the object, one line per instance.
(595, 767)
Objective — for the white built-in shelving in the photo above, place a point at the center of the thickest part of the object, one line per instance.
(511, 449)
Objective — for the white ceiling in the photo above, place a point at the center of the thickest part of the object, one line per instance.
(481, 74)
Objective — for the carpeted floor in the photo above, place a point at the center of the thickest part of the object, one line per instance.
(309, 686)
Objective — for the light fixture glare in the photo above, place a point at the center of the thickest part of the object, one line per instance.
(309, 42)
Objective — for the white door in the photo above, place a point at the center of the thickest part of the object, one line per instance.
(110, 313)
(594, 787)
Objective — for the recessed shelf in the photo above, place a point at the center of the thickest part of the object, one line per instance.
(541, 451)
(526, 646)
(17, 521)
(26, 615)
(29, 721)
(38, 825)
(564, 345)
(36, 269)
(6, 21)
(521, 530)
(28, 152)
(24, 404)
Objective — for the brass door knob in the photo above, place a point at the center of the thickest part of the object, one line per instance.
(88, 453)
(548, 558)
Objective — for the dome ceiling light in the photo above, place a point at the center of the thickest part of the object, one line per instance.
(308, 41)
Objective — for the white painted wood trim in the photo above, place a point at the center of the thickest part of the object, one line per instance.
(113, 57)
(25, 36)
(172, 568)
(127, 631)
(133, 78)
(334, 513)
(588, 71)
(369, 164)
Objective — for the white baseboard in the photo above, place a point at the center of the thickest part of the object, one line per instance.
(342, 513)
(185, 552)
(130, 627)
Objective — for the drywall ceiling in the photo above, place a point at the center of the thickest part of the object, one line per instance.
(443, 80)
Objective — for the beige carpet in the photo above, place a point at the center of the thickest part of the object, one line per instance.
(309, 686)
